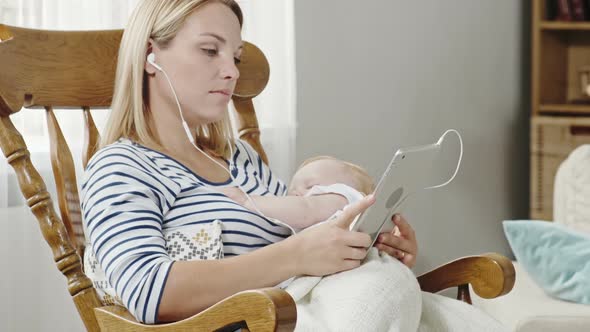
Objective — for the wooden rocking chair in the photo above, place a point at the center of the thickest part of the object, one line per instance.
(76, 70)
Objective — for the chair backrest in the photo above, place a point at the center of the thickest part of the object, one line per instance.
(76, 69)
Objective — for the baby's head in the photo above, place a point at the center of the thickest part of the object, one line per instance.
(325, 170)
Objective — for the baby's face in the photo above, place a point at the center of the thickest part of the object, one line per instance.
(321, 172)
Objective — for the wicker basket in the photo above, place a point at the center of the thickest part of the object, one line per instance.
(552, 140)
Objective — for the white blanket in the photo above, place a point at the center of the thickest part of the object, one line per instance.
(380, 295)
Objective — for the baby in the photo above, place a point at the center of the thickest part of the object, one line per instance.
(320, 188)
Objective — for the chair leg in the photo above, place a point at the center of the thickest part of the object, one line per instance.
(463, 293)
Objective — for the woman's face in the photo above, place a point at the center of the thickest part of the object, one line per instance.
(201, 63)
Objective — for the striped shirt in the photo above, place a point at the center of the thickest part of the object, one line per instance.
(132, 194)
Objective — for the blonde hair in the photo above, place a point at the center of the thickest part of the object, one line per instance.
(129, 118)
(364, 182)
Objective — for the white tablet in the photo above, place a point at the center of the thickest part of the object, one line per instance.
(408, 172)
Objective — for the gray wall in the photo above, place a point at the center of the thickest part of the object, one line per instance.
(376, 75)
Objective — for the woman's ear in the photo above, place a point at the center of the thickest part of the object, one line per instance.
(149, 68)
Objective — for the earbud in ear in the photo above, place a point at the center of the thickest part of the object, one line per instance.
(151, 58)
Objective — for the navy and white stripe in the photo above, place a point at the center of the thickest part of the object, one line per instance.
(131, 194)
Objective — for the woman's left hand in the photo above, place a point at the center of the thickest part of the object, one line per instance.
(401, 244)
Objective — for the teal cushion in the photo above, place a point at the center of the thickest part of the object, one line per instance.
(556, 257)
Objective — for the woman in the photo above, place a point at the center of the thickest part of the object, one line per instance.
(149, 180)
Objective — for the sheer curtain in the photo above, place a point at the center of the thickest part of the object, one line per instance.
(268, 24)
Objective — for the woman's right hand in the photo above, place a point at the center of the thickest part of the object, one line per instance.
(330, 247)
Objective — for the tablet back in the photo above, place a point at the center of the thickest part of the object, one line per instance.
(409, 171)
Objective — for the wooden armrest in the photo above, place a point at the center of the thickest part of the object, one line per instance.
(491, 275)
(268, 309)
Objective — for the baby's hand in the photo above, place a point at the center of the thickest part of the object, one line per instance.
(234, 193)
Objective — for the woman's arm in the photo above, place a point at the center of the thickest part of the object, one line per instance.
(328, 248)
(122, 208)
(297, 211)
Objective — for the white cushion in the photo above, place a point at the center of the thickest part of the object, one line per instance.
(571, 199)
(526, 302)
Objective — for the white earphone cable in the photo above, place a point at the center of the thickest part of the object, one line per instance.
(460, 157)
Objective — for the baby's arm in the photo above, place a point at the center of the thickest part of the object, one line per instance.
(296, 211)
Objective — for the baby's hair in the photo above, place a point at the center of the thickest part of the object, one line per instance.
(364, 182)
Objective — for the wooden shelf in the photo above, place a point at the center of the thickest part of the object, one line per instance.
(565, 108)
(562, 25)
(560, 116)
